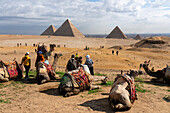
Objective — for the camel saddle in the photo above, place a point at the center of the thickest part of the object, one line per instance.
(80, 77)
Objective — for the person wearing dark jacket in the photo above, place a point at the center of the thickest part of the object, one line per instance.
(89, 63)
(71, 65)
(40, 58)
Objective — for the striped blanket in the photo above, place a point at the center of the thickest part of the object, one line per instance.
(81, 78)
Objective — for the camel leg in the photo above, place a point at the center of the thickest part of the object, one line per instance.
(76, 91)
(3, 79)
(124, 101)
(99, 78)
(94, 86)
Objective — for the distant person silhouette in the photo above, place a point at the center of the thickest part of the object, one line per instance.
(117, 52)
(112, 52)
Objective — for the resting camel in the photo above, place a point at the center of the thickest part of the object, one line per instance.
(46, 72)
(10, 71)
(162, 76)
(78, 80)
(122, 94)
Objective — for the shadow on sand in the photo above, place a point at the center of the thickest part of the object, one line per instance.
(98, 105)
(52, 91)
(34, 81)
(29, 81)
(154, 82)
(101, 105)
(167, 98)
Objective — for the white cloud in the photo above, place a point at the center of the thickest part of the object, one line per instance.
(90, 17)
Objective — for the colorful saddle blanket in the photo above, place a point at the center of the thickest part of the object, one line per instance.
(81, 78)
(50, 69)
(131, 85)
(12, 69)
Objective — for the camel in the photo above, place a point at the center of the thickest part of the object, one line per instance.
(78, 80)
(122, 94)
(44, 74)
(162, 76)
(10, 71)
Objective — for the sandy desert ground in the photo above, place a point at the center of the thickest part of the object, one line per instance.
(28, 97)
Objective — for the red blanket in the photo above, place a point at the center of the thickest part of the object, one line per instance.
(50, 70)
(12, 69)
(81, 78)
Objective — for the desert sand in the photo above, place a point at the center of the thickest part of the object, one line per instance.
(28, 97)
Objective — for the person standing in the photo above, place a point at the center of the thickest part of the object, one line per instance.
(40, 58)
(89, 63)
(117, 52)
(26, 60)
(112, 52)
(71, 65)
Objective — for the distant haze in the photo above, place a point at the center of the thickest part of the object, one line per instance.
(32, 17)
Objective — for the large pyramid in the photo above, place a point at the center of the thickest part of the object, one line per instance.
(49, 31)
(117, 33)
(68, 29)
(137, 37)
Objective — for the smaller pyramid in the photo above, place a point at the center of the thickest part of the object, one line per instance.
(49, 31)
(117, 33)
(138, 37)
(68, 29)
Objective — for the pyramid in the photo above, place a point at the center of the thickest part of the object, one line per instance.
(68, 29)
(137, 37)
(117, 33)
(49, 31)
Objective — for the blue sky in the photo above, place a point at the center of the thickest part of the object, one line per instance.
(89, 16)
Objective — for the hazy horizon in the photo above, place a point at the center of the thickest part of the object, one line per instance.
(89, 16)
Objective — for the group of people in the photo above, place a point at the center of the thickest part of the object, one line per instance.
(75, 61)
(19, 44)
(117, 52)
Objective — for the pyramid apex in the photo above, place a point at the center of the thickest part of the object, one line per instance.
(68, 20)
(49, 31)
(68, 29)
(117, 33)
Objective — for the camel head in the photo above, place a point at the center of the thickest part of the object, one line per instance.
(145, 64)
(134, 73)
(57, 55)
(52, 46)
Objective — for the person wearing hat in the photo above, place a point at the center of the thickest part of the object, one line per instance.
(71, 65)
(89, 63)
(40, 58)
(26, 60)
